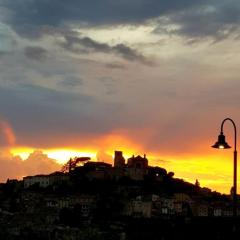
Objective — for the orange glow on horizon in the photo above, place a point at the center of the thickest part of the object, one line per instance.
(213, 168)
(212, 171)
(23, 152)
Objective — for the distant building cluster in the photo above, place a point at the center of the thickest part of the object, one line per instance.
(137, 169)
(45, 180)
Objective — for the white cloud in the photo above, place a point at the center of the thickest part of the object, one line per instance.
(15, 167)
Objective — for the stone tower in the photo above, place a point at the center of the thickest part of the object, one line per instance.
(119, 160)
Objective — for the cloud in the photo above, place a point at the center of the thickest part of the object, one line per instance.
(37, 112)
(35, 53)
(115, 65)
(7, 132)
(128, 53)
(102, 156)
(214, 20)
(50, 96)
(194, 19)
(15, 167)
(71, 81)
(8, 41)
(88, 45)
(109, 84)
(38, 162)
(28, 17)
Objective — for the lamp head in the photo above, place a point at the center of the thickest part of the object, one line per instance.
(221, 143)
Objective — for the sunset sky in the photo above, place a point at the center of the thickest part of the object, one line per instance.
(142, 76)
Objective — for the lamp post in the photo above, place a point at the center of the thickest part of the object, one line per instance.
(222, 144)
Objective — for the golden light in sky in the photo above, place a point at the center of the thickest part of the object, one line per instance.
(23, 152)
(60, 155)
(63, 155)
(213, 170)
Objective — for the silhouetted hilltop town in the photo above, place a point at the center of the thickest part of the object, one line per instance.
(95, 200)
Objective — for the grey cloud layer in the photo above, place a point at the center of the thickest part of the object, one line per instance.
(196, 18)
(55, 12)
(35, 53)
(88, 45)
(36, 112)
(217, 20)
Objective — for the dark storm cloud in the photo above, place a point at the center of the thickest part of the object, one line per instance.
(54, 12)
(28, 17)
(216, 20)
(35, 53)
(197, 19)
(86, 44)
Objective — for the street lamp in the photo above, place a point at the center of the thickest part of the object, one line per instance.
(222, 144)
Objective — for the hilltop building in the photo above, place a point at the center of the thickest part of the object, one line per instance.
(136, 167)
(138, 162)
